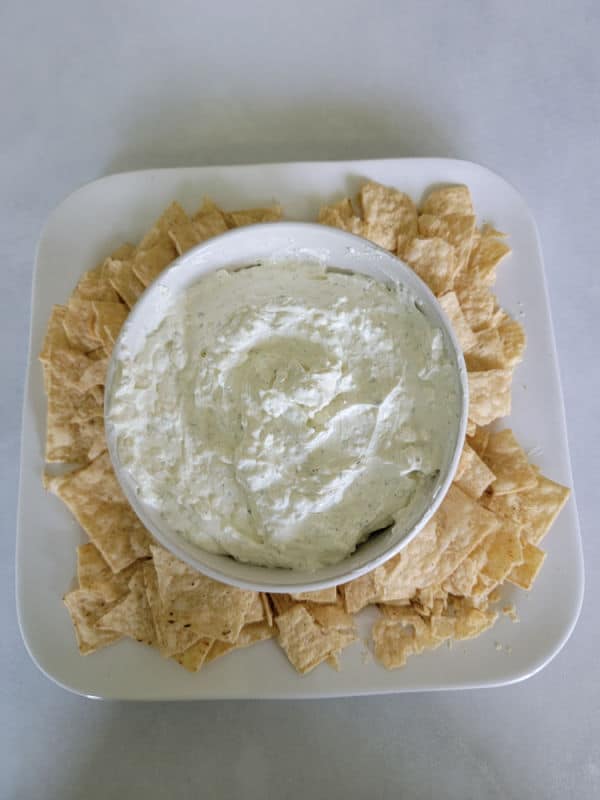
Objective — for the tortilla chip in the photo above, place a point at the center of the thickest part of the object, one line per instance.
(124, 281)
(458, 526)
(74, 422)
(173, 635)
(462, 330)
(403, 632)
(489, 395)
(250, 634)
(94, 497)
(434, 261)
(184, 237)
(508, 461)
(194, 232)
(393, 642)
(148, 264)
(361, 592)
(469, 621)
(390, 216)
(86, 608)
(172, 216)
(210, 224)
(304, 641)
(525, 574)
(95, 285)
(89, 407)
(487, 351)
(65, 363)
(132, 616)
(477, 304)
(92, 375)
(320, 596)
(472, 475)
(409, 615)
(80, 325)
(281, 603)
(491, 562)
(512, 335)
(478, 440)
(256, 610)
(194, 657)
(208, 206)
(464, 577)
(126, 250)
(500, 553)
(74, 443)
(430, 599)
(534, 509)
(456, 229)
(341, 215)
(55, 337)
(485, 257)
(213, 610)
(94, 573)
(448, 200)
(251, 216)
(109, 319)
(333, 618)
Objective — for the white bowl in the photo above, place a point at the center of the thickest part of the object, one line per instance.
(241, 248)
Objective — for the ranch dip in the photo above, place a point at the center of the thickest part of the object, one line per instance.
(284, 412)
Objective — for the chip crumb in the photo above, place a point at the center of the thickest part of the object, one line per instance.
(511, 612)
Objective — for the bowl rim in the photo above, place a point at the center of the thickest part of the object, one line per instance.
(192, 554)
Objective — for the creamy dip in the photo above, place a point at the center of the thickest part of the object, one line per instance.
(283, 412)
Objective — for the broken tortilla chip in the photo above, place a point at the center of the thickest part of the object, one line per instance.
(304, 641)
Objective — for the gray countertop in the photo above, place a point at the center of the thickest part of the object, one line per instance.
(94, 88)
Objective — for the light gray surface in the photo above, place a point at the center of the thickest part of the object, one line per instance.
(93, 88)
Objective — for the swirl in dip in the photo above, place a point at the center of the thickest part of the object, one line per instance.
(284, 412)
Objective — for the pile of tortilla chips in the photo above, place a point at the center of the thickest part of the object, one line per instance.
(441, 587)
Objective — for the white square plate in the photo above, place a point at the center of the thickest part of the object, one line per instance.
(90, 224)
